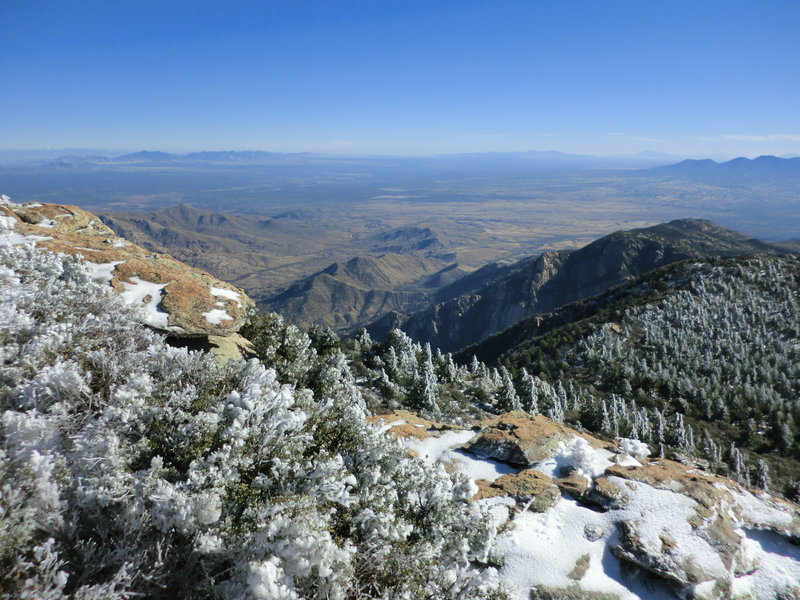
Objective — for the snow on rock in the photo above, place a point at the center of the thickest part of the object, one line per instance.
(475, 468)
(778, 562)
(584, 518)
(195, 303)
(103, 272)
(761, 511)
(436, 448)
(433, 443)
(658, 532)
(139, 292)
(226, 293)
(530, 489)
(215, 316)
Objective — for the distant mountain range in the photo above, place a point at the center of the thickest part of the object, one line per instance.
(643, 163)
(544, 159)
(763, 169)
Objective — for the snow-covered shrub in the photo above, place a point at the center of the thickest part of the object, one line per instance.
(130, 468)
(578, 456)
(633, 448)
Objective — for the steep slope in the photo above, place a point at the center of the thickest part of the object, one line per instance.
(348, 294)
(539, 285)
(714, 340)
(235, 243)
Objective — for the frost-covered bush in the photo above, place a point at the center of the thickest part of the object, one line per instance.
(130, 468)
(633, 448)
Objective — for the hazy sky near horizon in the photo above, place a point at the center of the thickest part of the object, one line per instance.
(699, 77)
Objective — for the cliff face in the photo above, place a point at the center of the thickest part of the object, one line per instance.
(460, 321)
(180, 300)
(539, 285)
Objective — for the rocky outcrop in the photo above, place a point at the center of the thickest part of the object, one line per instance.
(530, 488)
(522, 439)
(175, 298)
(715, 510)
(605, 510)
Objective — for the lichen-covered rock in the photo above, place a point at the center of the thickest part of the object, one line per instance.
(522, 439)
(230, 347)
(405, 424)
(175, 298)
(528, 487)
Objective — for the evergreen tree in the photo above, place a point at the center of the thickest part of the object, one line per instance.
(507, 399)
(762, 474)
(530, 395)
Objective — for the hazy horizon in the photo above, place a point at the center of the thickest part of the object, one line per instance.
(33, 154)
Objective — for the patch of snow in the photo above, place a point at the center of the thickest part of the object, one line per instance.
(5, 199)
(11, 238)
(476, 468)
(759, 511)
(624, 460)
(31, 204)
(779, 566)
(46, 223)
(216, 316)
(225, 293)
(542, 549)
(387, 426)
(118, 243)
(87, 249)
(446, 449)
(137, 291)
(102, 272)
(7, 223)
(431, 449)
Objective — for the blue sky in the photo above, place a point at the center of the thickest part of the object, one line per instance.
(697, 77)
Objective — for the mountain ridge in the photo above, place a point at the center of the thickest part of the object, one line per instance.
(541, 284)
